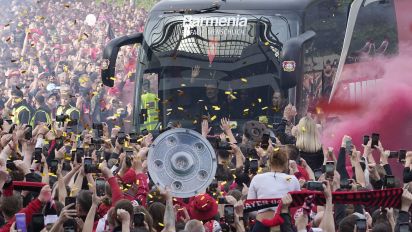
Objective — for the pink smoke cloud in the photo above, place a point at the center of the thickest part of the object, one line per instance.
(386, 108)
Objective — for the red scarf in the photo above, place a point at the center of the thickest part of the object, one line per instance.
(383, 198)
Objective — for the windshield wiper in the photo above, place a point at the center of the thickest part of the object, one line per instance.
(213, 8)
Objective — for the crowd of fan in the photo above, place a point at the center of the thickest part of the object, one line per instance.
(51, 57)
(83, 172)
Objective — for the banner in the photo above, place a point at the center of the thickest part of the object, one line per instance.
(390, 198)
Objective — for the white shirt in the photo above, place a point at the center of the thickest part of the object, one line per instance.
(271, 185)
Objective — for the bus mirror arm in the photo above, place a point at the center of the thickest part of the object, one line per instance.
(110, 55)
(292, 60)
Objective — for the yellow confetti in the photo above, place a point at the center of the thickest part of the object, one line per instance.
(228, 92)
(113, 78)
(243, 80)
(169, 110)
(161, 224)
(203, 206)
(216, 108)
(180, 108)
(213, 117)
(233, 97)
(203, 197)
(245, 110)
(303, 129)
(183, 85)
(276, 149)
(259, 100)
(194, 122)
(266, 43)
(234, 176)
(264, 108)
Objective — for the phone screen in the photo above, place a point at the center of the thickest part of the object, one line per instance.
(88, 161)
(330, 168)
(375, 140)
(404, 227)
(21, 222)
(138, 219)
(402, 155)
(254, 165)
(37, 154)
(348, 146)
(229, 213)
(70, 200)
(265, 141)
(100, 187)
(79, 154)
(28, 132)
(53, 166)
(361, 225)
(366, 139)
(37, 222)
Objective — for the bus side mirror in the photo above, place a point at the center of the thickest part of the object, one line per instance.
(110, 55)
(292, 60)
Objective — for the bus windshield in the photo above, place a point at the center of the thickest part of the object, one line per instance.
(214, 65)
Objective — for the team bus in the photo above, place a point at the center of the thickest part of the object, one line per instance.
(246, 59)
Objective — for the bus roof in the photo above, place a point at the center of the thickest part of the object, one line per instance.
(279, 5)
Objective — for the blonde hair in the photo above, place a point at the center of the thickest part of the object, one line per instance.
(307, 135)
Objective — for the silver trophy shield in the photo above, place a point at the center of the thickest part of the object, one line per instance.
(183, 160)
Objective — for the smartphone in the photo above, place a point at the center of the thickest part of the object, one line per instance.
(314, 185)
(121, 137)
(265, 141)
(318, 173)
(70, 200)
(402, 156)
(393, 154)
(138, 219)
(348, 146)
(361, 225)
(229, 214)
(68, 149)
(28, 132)
(10, 165)
(21, 222)
(53, 166)
(79, 154)
(37, 154)
(366, 139)
(404, 227)
(129, 153)
(213, 186)
(389, 181)
(66, 166)
(134, 137)
(100, 187)
(37, 222)
(254, 165)
(221, 201)
(330, 169)
(88, 162)
(144, 132)
(375, 140)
